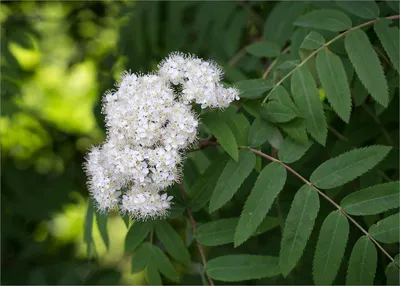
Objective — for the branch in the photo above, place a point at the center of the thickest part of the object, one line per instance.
(193, 222)
(325, 46)
(270, 158)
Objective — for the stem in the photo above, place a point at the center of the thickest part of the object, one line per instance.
(270, 158)
(325, 46)
(193, 222)
(237, 57)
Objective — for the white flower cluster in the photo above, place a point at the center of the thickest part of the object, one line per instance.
(149, 126)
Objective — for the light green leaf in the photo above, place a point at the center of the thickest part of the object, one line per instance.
(88, 227)
(232, 178)
(347, 166)
(253, 88)
(137, 233)
(222, 132)
(269, 183)
(298, 227)
(264, 49)
(172, 242)
(307, 99)
(296, 130)
(389, 37)
(393, 272)
(325, 19)
(262, 131)
(292, 151)
(101, 219)
(387, 230)
(372, 200)
(362, 263)
(330, 248)
(240, 127)
(367, 65)
(279, 24)
(312, 41)
(202, 189)
(217, 232)
(334, 82)
(232, 268)
(363, 9)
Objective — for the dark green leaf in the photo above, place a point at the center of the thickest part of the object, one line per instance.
(232, 268)
(232, 178)
(347, 166)
(253, 88)
(217, 232)
(222, 132)
(307, 99)
(394, 5)
(262, 131)
(362, 264)
(277, 112)
(267, 224)
(269, 183)
(141, 257)
(387, 230)
(264, 49)
(393, 272)
(152, 275)
(296, 130)
(367, 65)
(372, 200)
(298, 227)
(312, 41)
(88, 236)
(362, 9)
(172, 242)
(325, 19)
(334, 81)
(292, 151)
(330, 248)
(101, 219)
(389, 37)
(137, 233)
(163, 264)
(240, 127)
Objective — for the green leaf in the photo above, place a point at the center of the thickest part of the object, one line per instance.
(280, 107)
(269, 183)
(325, 19)
(172, 242)
(152, 275)
(298, 227)
(232, 268)
(267, 224)
(362, 263)
(393, 272)
(163, 264)
(330, 248)
(347, 166)
(312, 41)
(253, 88)
(334, 82)
(292, 151)
(232, 178)
(137, 233)
(141, 257)
(261, 131)
(88, 227)
(307, 99)
(372, 200)
(394, 5)
(222, 132)
(363, 9)
(279, 24)
(217, 232)
(296, 130)
(201, 191)
(367, 65)
(387, 230)
(101, 219)
(240, 127)
(252, 107)
(264, 49)
(389, 37)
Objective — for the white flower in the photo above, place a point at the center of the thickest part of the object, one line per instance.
(149, 124)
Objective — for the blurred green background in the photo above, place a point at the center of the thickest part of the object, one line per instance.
(57, 59)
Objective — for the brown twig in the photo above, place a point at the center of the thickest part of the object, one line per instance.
(270, 158)
(193, 223)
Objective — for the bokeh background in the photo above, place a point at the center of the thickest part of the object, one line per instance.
(57, 59)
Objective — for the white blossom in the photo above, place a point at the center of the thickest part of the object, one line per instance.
(149, 124)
